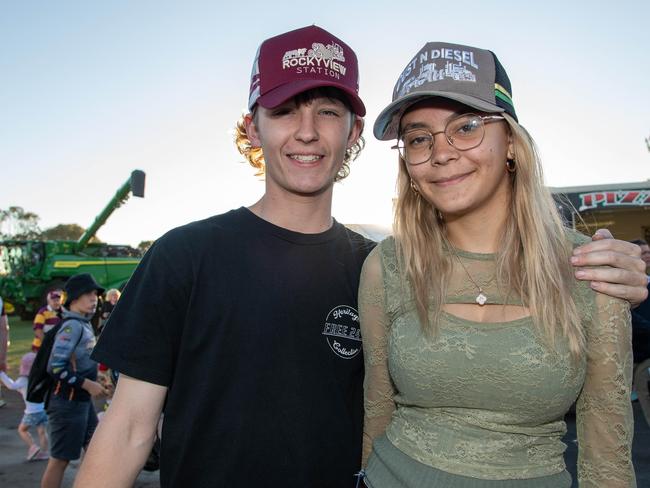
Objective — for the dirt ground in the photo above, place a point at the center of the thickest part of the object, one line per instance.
(15, 471)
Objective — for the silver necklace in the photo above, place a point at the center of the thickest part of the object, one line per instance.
(481, 298)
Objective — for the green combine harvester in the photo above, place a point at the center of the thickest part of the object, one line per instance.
(30, 269)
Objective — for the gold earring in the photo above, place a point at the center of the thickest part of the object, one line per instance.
(414, 188)
(511, 165)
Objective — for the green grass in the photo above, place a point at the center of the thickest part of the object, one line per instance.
(21, 335)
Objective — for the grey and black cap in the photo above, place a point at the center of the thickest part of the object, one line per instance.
(466, 74)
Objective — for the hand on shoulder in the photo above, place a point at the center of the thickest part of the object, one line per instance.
(618, 269)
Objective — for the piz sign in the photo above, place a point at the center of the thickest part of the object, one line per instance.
(621, 198)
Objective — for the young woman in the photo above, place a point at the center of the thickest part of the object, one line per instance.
(477, 337)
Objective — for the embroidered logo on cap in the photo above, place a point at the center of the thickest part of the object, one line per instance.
(320, 59)
(457, 68)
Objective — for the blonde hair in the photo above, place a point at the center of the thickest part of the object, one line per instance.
(533, 260)
(255, 156)
(113, 291)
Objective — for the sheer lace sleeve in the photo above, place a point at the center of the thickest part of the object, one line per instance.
(604, 412)
(378, 388)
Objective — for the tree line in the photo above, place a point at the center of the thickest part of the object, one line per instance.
(16, 223)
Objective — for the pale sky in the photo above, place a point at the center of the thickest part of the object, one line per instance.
(92, 90)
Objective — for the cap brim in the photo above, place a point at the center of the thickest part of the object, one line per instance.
(285, 92)
(386, 126)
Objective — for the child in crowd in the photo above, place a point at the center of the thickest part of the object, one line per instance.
(34, 416)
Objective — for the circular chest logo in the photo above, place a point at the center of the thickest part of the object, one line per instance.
(342, 331)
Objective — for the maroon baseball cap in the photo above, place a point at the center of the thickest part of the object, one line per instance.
(301, 60)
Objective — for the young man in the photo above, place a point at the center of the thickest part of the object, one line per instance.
(71, 414)
(244, 326)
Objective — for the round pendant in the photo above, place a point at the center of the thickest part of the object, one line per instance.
(481, 298)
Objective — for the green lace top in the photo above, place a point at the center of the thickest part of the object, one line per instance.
(487, 400)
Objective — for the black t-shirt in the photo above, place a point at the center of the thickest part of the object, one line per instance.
(254, 330)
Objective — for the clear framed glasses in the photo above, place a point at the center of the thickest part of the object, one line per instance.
(464, 132)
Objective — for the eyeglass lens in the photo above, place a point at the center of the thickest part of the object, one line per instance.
(464, 132)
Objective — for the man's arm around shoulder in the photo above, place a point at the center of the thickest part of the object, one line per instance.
(124, 437)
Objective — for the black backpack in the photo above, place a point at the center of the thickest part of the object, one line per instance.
(40, 382)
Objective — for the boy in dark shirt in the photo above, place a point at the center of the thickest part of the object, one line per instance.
(245, 324)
